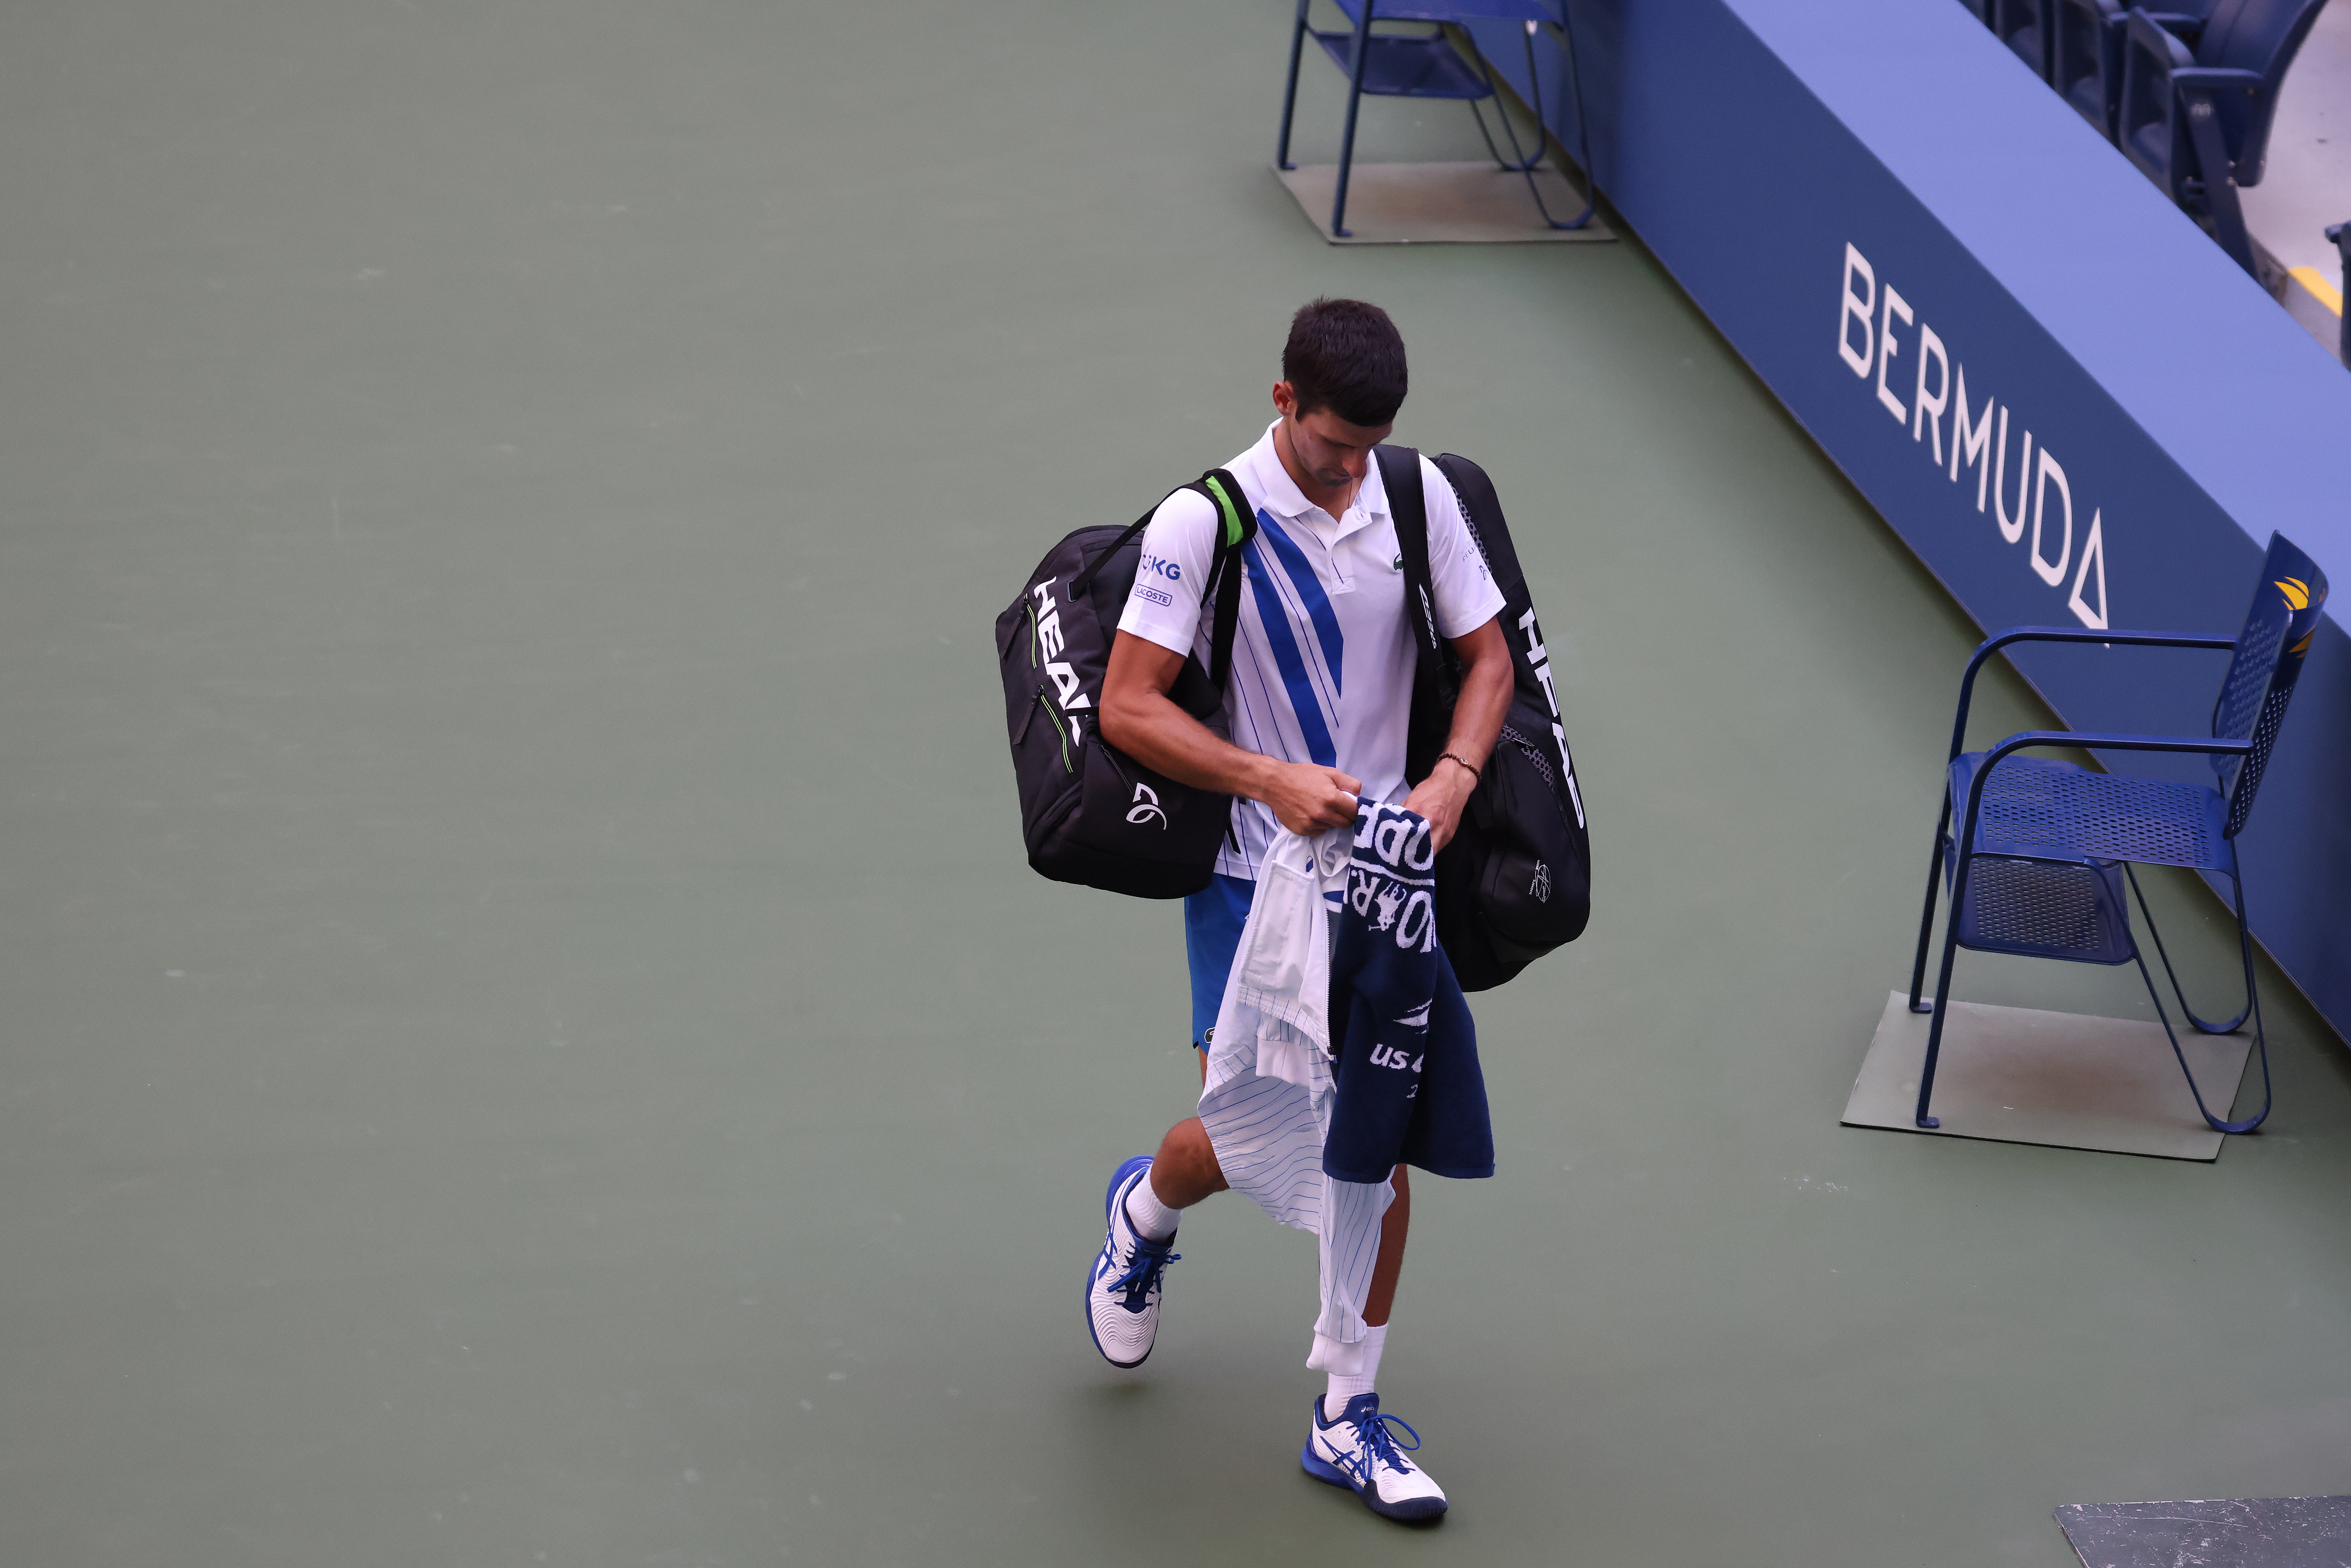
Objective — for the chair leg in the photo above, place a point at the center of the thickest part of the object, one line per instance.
(2253, 991)
(1927, 919)
(1359, 59)
(1583, 133)
(1290, 93)
(1942, 1002)
(1522, 162)
(2219, 184)
(2259, 1046)
(2163, 953)
(1518, 162)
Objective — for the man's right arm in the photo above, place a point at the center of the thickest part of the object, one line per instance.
(1139, 718)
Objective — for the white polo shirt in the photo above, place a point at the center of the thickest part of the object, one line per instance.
(1322, 659)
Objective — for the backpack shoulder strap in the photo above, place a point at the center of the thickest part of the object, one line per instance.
(1236, 527)
(1433, 693)
(1400, 472)
(1084, 581)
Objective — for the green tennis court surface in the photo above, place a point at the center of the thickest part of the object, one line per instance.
(529, 1035)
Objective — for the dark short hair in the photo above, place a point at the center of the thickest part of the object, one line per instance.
(1346, 356)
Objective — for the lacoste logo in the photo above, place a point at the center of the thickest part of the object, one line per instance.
(1540, 886)
(1145, 807)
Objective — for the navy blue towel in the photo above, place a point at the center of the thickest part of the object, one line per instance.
(1409, 1089)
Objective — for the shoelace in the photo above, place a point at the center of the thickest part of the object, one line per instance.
(1379, 1446)
(1141, 1276)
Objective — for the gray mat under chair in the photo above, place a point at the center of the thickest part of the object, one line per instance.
(2019, 1075)
(1439, 204)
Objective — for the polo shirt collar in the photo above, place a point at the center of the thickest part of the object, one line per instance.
(1285, 500)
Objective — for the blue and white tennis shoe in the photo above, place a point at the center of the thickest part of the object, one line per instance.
(1122, 1288)
(1359, 1452)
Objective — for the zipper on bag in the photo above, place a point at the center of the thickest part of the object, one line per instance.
(1027, 717)
(1059, 728)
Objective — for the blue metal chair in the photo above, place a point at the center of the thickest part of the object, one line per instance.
(2087, 62)
(2024, 27)
(2197, 98)
(1388, 64)
(2037, 861)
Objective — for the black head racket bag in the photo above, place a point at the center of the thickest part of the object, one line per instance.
(1090, 813)
(1516, 880)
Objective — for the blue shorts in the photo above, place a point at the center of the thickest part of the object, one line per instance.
(1213, 918)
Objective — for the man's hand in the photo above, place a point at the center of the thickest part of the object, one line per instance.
(1307, 797)
(1137, 718)
(1486, 679)
(1439, 798)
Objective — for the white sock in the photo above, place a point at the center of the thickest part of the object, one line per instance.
(1342, 1389)
(1153, 1220)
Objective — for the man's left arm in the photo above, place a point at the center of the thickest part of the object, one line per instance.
(1486, 683)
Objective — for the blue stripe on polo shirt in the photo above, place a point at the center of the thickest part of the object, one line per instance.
(1309, 593)
(1273, 616)
(1300, 626)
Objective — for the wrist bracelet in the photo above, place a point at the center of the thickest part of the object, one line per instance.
(1454, 756)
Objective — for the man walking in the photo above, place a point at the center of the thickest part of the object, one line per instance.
(1317, 710)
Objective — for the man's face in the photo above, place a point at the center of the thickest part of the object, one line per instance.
(1333, 453)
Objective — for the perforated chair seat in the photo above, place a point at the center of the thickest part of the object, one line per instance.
(2072, 910)
(2040, 809)
(1409, 68)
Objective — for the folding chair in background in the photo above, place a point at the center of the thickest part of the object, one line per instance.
(1390, 65)
(2034, 853)
(2087, 67)
(2025, 26)
(2197, 97)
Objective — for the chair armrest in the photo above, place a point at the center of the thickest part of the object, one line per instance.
(2090, 741)
(2000, 640)
(2218, 76)
(2144, 33)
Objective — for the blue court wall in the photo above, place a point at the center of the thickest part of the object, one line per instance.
(1879, 205)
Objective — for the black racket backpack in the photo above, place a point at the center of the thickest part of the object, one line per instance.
(1516, 880)
(1090, 813)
